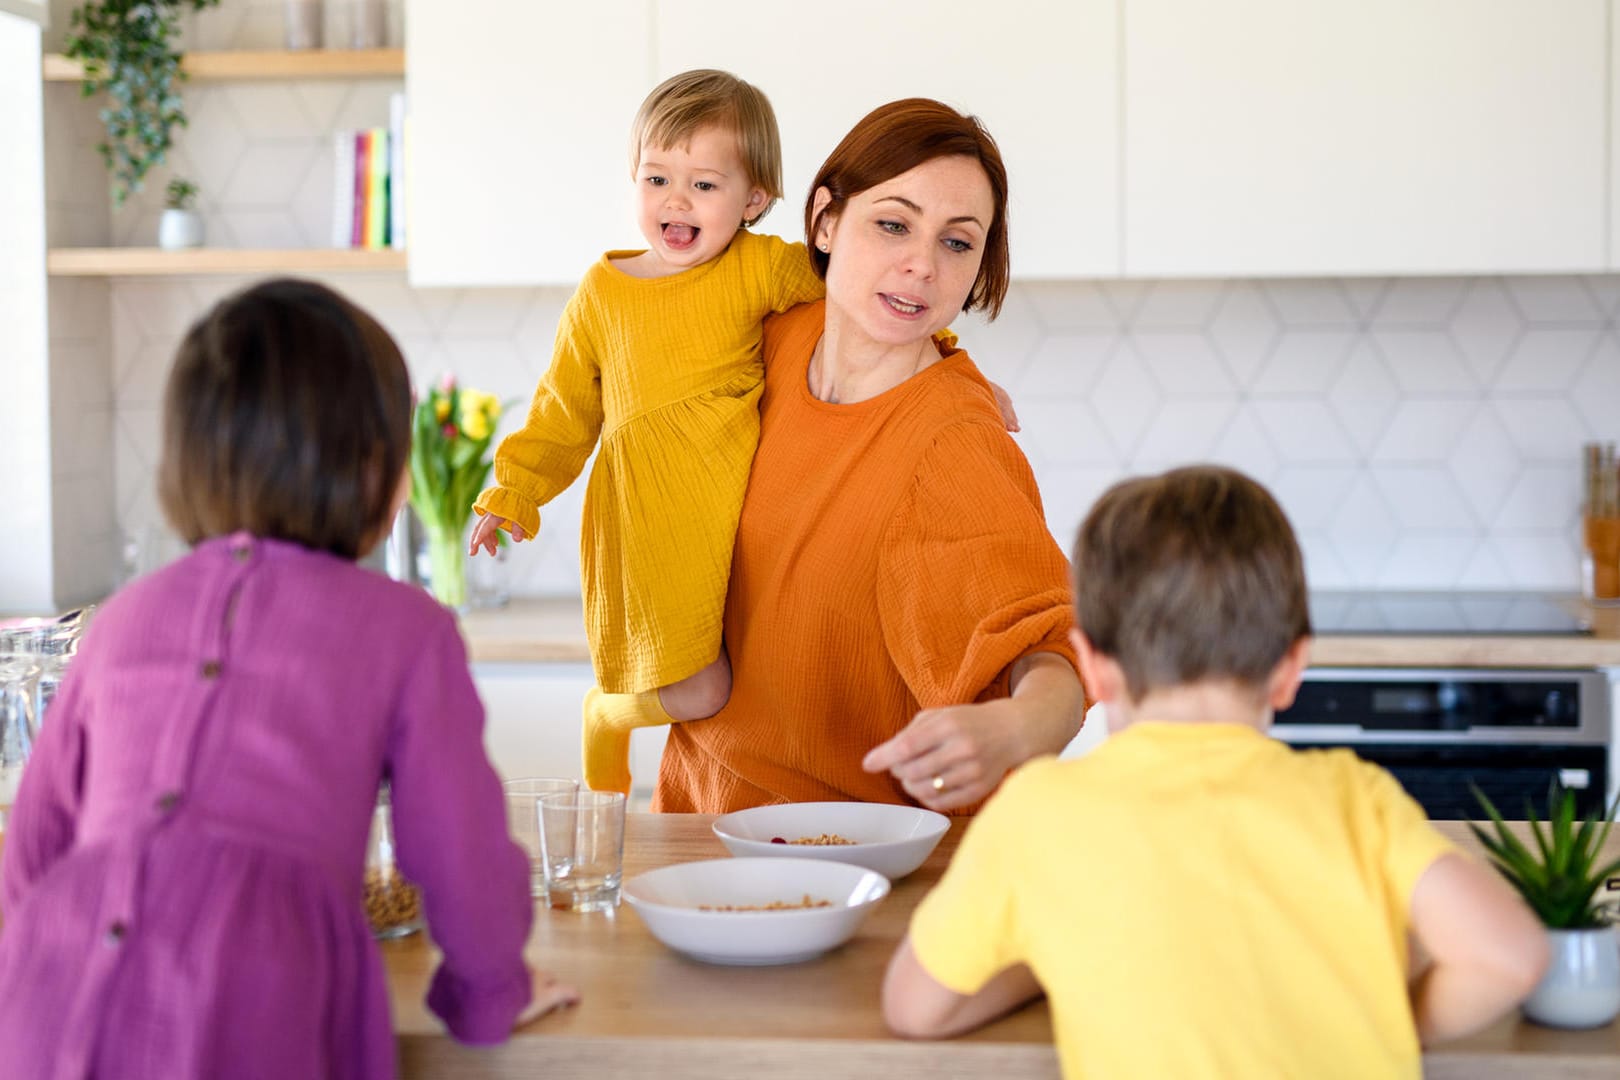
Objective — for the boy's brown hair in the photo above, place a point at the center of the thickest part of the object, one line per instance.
(287, 415)
(895, 138)
(682, 104)
(1188, 576)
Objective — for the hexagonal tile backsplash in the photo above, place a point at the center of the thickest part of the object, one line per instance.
(1421, 433)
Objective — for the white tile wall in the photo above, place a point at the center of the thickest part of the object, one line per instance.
(1422, 433)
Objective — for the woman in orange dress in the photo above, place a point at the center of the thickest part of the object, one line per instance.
(898, 613)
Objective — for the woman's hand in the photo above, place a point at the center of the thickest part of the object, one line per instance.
(549, 996)
(484, 533)
(956, 755)
(968, 748)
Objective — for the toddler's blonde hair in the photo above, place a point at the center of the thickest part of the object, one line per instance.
(682, 104)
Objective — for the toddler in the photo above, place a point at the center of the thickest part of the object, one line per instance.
(1195, 898)
(658, 353)
(183, 872)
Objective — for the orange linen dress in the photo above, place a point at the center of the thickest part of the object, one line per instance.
(892, 555)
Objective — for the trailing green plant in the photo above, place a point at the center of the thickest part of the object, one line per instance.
(180, 194)
(1560, 878)
(129, 49)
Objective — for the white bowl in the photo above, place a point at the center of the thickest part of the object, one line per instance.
(670, 901)
(893, 840)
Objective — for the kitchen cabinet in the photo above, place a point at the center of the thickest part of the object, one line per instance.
(1042, 77)
(519, 131)
(1274, 137)
(518, 146)
(1613, 141)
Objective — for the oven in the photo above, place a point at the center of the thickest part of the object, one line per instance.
(1513, 734)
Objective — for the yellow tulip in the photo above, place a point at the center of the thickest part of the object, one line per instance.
(441, 410)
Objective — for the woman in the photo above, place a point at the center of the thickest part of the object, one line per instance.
(898, 612)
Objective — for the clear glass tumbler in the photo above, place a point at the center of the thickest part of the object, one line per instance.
(523, 797)
(18, 676)
(582, 847)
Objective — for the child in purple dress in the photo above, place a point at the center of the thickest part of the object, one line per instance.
(182, 878)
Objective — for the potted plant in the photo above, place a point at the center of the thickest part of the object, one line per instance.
(128, 49)
(181, 226)
(451, 432)
(1560, 880)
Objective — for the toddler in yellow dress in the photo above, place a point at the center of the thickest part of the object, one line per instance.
(658, 353)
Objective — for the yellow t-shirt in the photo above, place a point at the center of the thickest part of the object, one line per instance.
(1197, 901)
(668, 372)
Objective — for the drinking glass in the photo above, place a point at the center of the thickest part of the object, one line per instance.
(582, 849)
(523, 819)
(17, 729)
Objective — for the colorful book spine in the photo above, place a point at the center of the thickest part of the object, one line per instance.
(396, 170)
(342, 189)
(357, 227)
(377, 195)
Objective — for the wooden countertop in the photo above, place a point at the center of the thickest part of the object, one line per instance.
(648, 1011)
(554, 630)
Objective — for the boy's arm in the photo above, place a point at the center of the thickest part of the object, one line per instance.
(1488, 950)
(917, 1006)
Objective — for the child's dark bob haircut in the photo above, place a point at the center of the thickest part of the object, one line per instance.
(1189, 576)
(287, 415)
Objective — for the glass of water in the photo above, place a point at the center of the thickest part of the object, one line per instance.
(582, 849)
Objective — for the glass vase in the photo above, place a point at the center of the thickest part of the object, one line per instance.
(447, 567)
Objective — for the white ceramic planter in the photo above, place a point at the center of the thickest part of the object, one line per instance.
(1582, 986)
(180, 229)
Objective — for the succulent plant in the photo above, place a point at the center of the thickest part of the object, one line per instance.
(1560, 879)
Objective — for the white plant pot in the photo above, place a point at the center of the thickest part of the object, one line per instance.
(180, 229)
(1582, 986)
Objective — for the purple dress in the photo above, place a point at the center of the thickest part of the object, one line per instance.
(183, 870)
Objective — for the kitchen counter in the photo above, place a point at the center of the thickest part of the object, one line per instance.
(553, 630)
(648, 1011)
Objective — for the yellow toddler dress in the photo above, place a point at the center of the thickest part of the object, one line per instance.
(667, 371)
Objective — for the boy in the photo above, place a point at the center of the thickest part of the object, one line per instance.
(1195, 898)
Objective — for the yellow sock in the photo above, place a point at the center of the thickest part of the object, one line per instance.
(609, 719)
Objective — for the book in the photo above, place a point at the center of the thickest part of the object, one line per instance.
(377, 189)
(396, 170)
(357, 227)
(342, 189)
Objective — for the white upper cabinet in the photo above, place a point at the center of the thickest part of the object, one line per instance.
(1040, 75)
(519, 169)
(1279, 137)
(1614, 147)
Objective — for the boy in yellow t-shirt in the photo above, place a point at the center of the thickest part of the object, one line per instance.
(1197, 899)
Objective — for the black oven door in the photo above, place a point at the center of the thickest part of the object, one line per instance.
(1512, 776)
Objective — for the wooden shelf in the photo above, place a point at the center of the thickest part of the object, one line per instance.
(264, 64)
(143, 262)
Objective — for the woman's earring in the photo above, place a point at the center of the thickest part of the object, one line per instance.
(823, 246)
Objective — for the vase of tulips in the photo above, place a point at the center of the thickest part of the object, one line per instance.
(451, 432)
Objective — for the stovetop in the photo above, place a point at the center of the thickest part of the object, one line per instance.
(1445, 613)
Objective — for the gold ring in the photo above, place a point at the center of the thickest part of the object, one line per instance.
(938, 782)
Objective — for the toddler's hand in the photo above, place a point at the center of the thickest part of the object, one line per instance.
(484, 533)
(1004, 403)
(549, 996)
